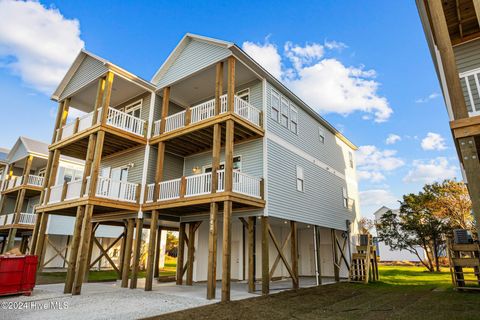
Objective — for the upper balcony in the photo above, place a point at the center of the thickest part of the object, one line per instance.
(34, 182)
(26, 220)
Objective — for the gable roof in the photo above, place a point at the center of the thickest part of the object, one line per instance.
(78, 61)
(256, 67)
(27, 146)
(3, 155)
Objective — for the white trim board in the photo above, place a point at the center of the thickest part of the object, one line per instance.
(303, 154)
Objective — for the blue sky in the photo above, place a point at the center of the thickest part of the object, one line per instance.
(383, 40)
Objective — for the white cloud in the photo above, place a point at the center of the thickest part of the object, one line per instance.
(266, 55)
(372, 176)
(371, 158)
(377, 198)
(393, 138)
(37, 43)
(324, 83)
(433, 141)
(428, 98)
(428, 171)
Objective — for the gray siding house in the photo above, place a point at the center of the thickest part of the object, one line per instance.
(212, 138)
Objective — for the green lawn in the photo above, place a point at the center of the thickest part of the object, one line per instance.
(408, 293)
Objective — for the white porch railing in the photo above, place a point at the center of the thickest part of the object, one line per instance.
(36, 181)
(206, 110)
(116, 190)
(469, 80)
(246, 184)
(175, 121)
(7, 219)
(27, 218)
(150, 189)
(55, 194)
(73, 189)
(221, 180)
(198, 184)
(125, 121)
(169, 189)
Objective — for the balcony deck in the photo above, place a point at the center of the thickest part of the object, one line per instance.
(190, 131)
(27, 221)
(122, 131)
(33, 186)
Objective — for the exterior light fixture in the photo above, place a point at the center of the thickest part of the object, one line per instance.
(196, 170)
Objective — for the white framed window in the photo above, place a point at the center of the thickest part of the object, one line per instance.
(321, 134)
(345, 197)
(285, 106)
(350, 158)
(134, 109)
(300, 179)
(237, 165)
(275, 112)
(244, 94)
(72, 175)
(41, 172)
(293, 118)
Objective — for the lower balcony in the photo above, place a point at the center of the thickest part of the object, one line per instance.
(26, 218)
(16, 182)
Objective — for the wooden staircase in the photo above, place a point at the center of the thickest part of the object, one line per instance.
(464, 262)
(364, 267)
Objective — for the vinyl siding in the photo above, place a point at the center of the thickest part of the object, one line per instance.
(145, 98)
(251, 152)
(255, 93)
(89, 70)
(172, 169)
(467, 56)
(330, 152)
(321, 203)
(195, 56)
(135, 156)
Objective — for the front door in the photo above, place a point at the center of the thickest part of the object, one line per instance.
(118, 176)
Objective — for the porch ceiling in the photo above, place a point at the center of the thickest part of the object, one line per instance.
(201, 86)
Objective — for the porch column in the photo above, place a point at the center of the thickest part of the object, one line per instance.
(151, 250)
(122, 253)
(212, 252)
(98, 99)
(107, 94)
(50, 179)
(159, 170)
(75, 244)
(165, 104)
(136, 253)
(218, 87)
(92, 139)
(46, 177)
(57, 121)
(226, 250)
(192, 229)
(95, 167)
(33, 241)
(265, 256)
(127, 257)
(90, 250)
(231, 84)
(63, 117)
(229, 135)
(180, 253)
(27, 169)
(294, 253)
(158, 252)
(251, 255)
(82, 257)
(39, 247)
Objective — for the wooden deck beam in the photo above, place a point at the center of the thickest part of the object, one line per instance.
(136, 252)
(226, 250)
(127, 257)
(75, 245)
(212, 252)
(151, 251)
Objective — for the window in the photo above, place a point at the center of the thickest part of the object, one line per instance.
(350, 159)
(321, 134)
(293, 118)
(275, 106)
(300, 179)
(345, 197)
(285, 109)
(134, 109)
(244, 94)
(71, 175)
(237, 165)
(41, 172)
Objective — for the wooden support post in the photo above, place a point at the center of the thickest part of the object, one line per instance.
(52, 177)
(471, 165)
(45, 180)
(229, 155)
(89, 253)
(212, 252)
(136, 253)
(82, 256)
(63, 118)
(226, 250)
(217, 141)
(165, 104)
(107, 94)
(39, 248)
(251, 255)
(265, 256)
(218, 87)
(33, 241)
(151, 251)
(98, 99)
(444, 44)
(128, 253)
(97, 158)
(180, 253)
(231, 84)
(190, 253)
(26, 170)
(57, 122)
(294, 253)
(159, 170)
(92, 139)
(158, 252)
(75, 244)
(122, 252)
(318, 256)
(336, 267)
(188, 116)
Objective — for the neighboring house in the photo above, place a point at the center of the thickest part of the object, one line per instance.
(24, 175)
(384, 251)
(452, 30)
(212, 138)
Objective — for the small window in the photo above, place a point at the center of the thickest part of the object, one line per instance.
(41, 172)
(134, 109)
(237, 165)
(345, 197)
(244, 95)
(300, 179)
(285, 109)
(350, 159)
(275, 106)
(321, 135)
(293, 118)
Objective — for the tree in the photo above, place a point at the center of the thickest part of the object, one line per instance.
(365, 225)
